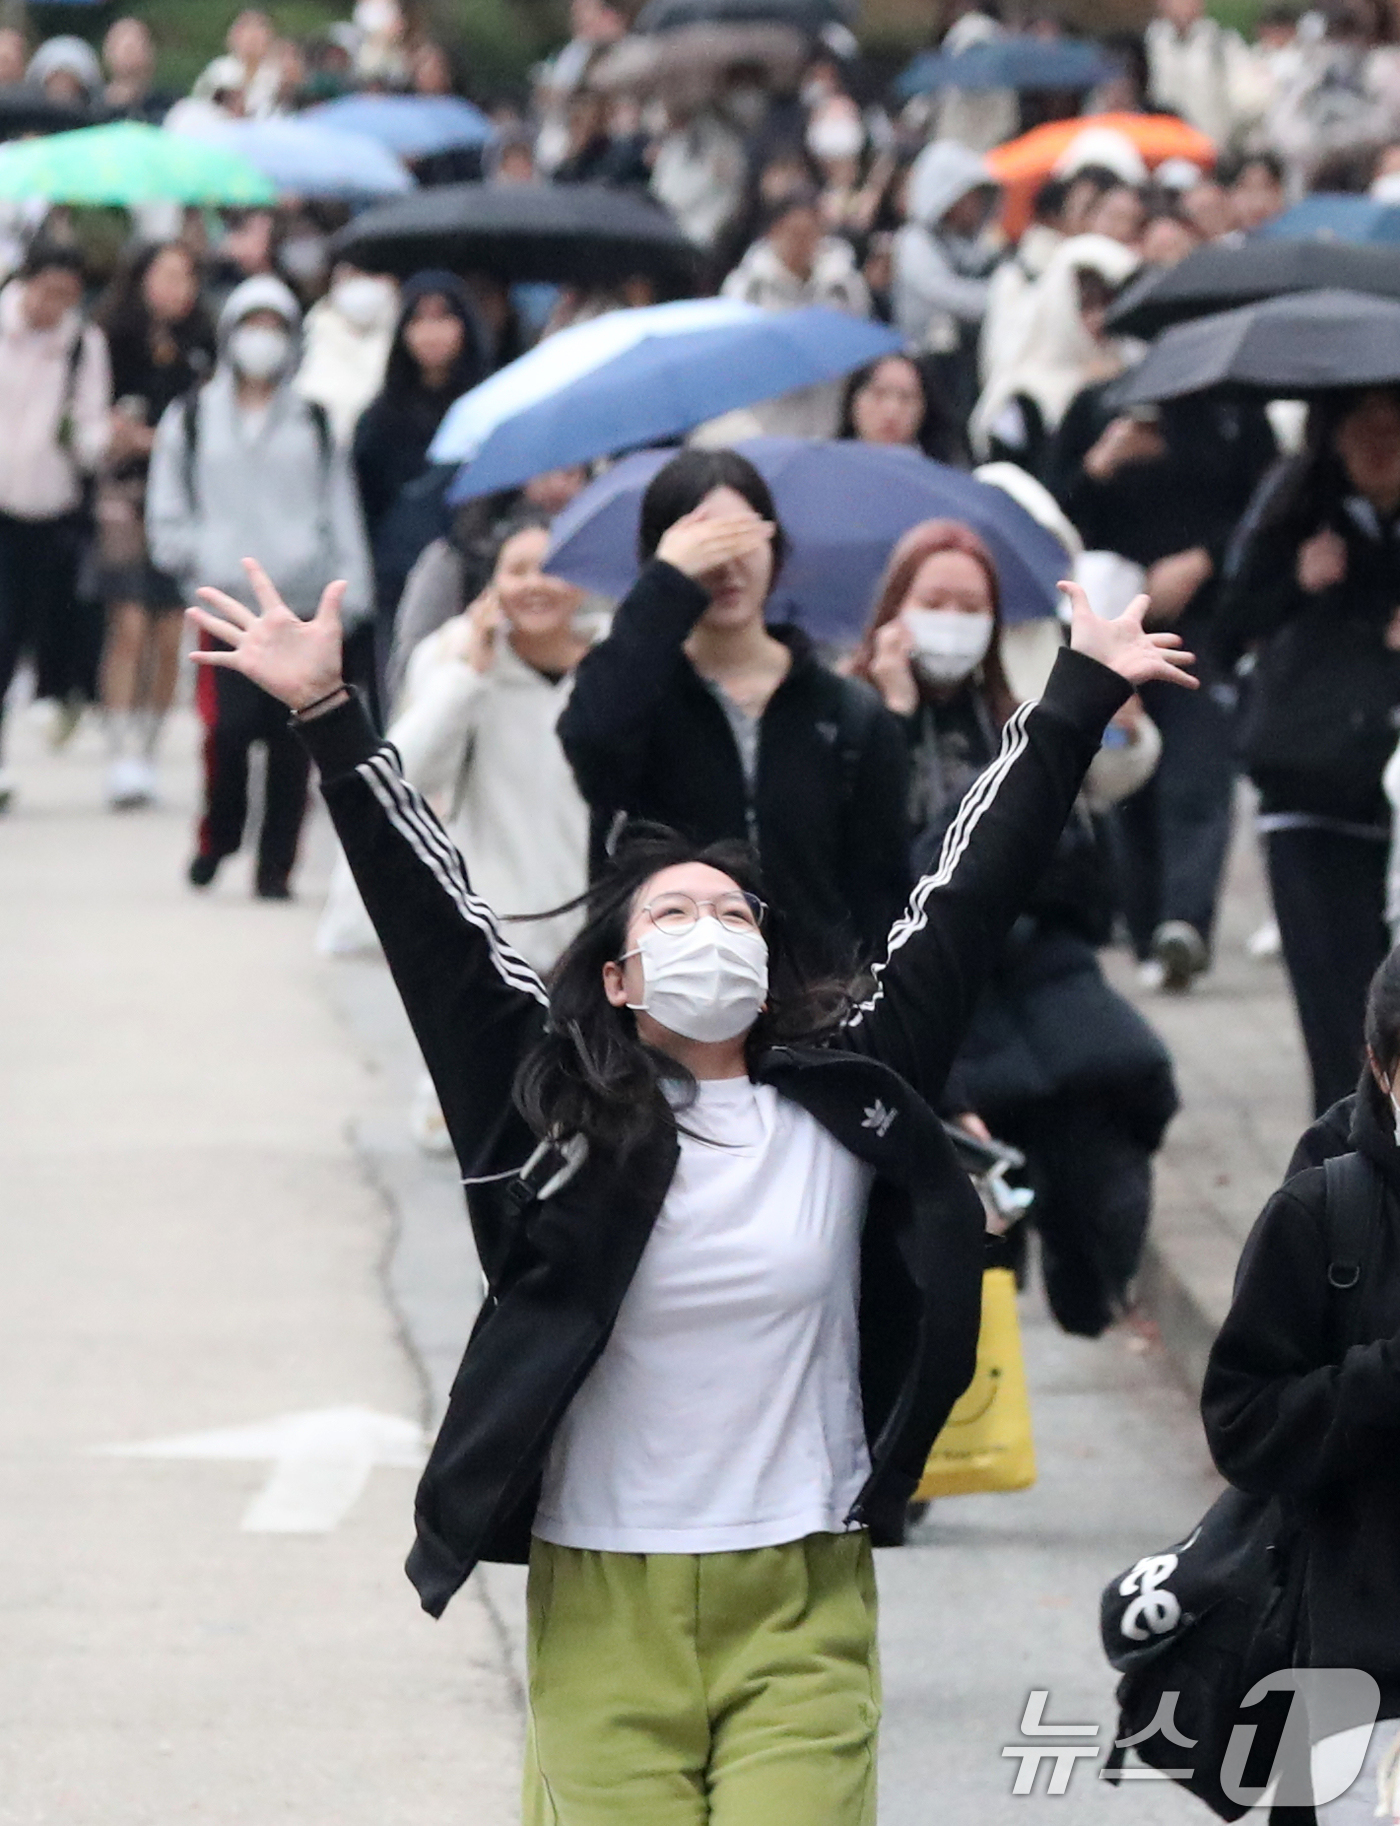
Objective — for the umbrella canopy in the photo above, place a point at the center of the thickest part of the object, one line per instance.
(1328, 217)
(666, 385)
(808, 16)
(1023, 62)
(843, 505)
(687, 65)
(1217, 278)
(562, 233)
(413, 126)
(127, 163)
(304, 159)
(1022, 165)
(561, 359)
(1288, 347)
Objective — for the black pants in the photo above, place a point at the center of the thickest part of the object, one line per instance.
(39, 613)
(1329, 900)
(1093, 1197)
(1175, 833)
(237, 714)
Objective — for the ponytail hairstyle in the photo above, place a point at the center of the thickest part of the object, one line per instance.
(591, 1075)
(908, 558)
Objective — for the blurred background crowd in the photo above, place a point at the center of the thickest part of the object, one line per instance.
(373, 298)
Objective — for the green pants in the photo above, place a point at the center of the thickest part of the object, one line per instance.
(671, 1689)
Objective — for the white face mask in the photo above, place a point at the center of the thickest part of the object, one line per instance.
(377, 18)
(258, 351)
(363, 300)
(949, 646)
(705, 984)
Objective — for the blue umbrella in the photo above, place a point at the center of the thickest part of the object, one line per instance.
(307, 158)
(1340, 217)
(843, 506)
(1010, 63)
(666, 385)
(414, 126)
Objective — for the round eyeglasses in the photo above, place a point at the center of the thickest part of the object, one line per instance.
(736, 912)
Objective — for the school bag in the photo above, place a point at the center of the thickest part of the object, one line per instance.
(1191, 1629)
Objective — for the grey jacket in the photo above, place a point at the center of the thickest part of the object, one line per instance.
(273, 488)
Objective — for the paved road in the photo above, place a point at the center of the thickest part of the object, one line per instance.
(194, 1243)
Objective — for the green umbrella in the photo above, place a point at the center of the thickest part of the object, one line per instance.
(129, 163)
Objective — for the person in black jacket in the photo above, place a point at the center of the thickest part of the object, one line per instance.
(733, 1269)
(1314, 589)
(1055, 1061)
(694, 715)
(1166, 488)
(438, 353)
(1304, 1404)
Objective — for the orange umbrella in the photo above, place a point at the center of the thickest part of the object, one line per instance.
(1022, 165)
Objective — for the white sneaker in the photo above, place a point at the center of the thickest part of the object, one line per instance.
(7, 789)
(1265, 943)
(130, 783)
(1151, 975)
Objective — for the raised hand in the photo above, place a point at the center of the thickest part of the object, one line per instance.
(298, 662)
(700, 543)
(1125, 646)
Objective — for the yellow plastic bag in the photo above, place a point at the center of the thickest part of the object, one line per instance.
(986, 1441)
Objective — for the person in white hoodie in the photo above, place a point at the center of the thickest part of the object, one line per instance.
(943, 260)
(346, 344)
(796, 263)
(475, 732)
(246, 465)
(55, 406)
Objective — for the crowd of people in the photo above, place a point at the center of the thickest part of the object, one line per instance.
(679, 805)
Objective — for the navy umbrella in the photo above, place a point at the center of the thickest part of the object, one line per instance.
(843, 506)
(664, 386)
(1010, 63)
(1285, 348)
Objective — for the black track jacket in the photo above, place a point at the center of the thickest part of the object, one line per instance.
(558, 1265)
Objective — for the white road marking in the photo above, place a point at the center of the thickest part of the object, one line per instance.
(321, 1462)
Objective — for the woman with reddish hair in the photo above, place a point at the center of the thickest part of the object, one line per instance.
(1055, 1062)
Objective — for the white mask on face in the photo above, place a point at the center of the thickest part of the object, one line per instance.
(363, 300)
(949, 646)
(258, 351)
(705, 984)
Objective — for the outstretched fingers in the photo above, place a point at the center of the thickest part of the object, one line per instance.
(332, 598)
(229, 607)
(219, 627)
(264, 589)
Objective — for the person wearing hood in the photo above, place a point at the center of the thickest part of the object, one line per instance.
(437, 354)
(943, 262)
(1060, 349)
(55, 403)
(796, 263)
(1300, 1398)
(346, 345)
(67, 70)
(245, 464)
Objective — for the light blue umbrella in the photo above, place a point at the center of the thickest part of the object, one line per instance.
(842, 505)
(1336, 217)
(666, 385)
(306, 159)
(562, 358)
(1019, 62)
(414, 126)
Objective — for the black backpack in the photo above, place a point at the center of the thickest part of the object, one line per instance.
(1192, 1628)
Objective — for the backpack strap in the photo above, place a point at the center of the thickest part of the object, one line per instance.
(855, 721)
(1355, 1200)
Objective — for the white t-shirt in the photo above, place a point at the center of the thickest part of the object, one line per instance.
(725, 1409)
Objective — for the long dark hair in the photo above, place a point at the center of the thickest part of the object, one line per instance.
(591, 1075)
(1296, 497)
(682, 485)
(402, 378)
(124, 314)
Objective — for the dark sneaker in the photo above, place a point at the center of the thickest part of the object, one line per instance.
(203, 869)
(1181, 952)
(273, 887)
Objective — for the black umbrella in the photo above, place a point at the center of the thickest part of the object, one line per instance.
(807, 15)
(1219, 277)
(26, 110)
(576, 234)
(1313, 342)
